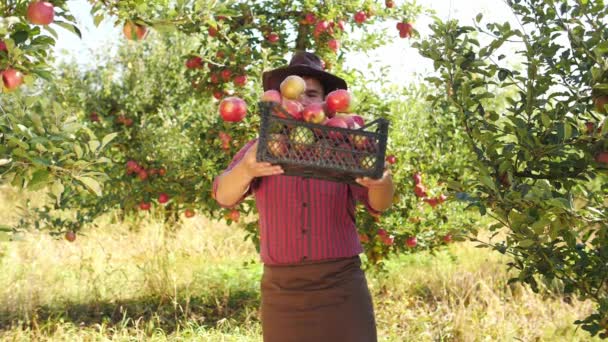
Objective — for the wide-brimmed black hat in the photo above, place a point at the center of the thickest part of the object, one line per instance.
(303, 64)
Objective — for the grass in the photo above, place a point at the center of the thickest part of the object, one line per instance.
(200, 281)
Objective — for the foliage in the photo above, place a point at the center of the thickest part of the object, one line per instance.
(540, 170)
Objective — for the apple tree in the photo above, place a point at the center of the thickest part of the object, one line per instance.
(541, 157)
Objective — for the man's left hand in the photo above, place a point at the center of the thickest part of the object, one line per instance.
(384, 181)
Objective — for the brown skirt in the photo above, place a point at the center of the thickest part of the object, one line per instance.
(317, 302)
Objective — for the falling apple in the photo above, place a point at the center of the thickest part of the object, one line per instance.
(70, 236)
(40, 13)
(338, 100)
(233, 109)
(292, 87)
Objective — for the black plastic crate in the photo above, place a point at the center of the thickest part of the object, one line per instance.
(317, 151)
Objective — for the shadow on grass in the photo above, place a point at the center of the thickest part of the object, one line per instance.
(161, 313)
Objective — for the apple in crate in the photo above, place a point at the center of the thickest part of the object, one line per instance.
(277, 145)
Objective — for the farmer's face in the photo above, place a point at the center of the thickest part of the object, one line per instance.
(314, 92)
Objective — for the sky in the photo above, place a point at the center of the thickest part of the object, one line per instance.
(402, 59)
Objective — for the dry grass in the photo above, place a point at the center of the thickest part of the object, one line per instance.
(201, 283)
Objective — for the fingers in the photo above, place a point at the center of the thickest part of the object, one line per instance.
(266, 169)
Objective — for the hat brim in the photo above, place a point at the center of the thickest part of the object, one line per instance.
(271, 80)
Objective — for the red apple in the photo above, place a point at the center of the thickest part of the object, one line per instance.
(189, 213)
(338, 100)
(94, 117)
(344, 155)
(70, 236)
(3, 46)
(389, 3)
(134, 31)
(218, 94)
(233, 109)
(272, 37)
(194, 63)
(143, 175)
(226, 75)
(212, 31)
(321, 27)
(411, 242)
(292, 87)
(132, 166)
(600, 102)
(350, 122)
(358, 120)
(442, 198)
(406, 30)
(314, 113)
(333, 45)
(162, 171)
(277, 145)
(336, 122)
(417, 178)
(363, 238)
(447, 238)
(293, 108)
(602, 157)
(12, 78)
(40, 13)
(163, 198)
(309, 19)
(360, 17)
(240, 80)
(391, 159)
(271, 96)
(145, 205)
(432, 201)
(235, 215)
(224, 137)
(420, 190)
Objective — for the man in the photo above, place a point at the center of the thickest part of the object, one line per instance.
(313, 288)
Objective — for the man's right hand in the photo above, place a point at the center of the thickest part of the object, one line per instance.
(253, 168)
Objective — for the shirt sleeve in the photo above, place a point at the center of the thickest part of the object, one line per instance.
(360, 194)
(235, 160)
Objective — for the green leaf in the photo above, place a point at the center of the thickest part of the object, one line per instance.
(526, 243)
(70, 27)
(39, 179)
(488, 182)
(78, 151)
(107, 139)
(91, 184)
(57, 189)
(94, 145)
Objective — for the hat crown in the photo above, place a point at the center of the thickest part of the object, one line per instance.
(308, 59)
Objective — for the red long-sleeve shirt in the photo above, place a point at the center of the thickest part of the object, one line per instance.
(304, 219)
